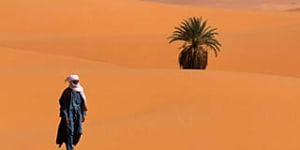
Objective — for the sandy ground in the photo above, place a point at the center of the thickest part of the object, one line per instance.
(137, 97)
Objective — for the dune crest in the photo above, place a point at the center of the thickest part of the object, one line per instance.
(237, 4)
(124, 33)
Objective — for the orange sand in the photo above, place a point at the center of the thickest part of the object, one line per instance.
(137, 97)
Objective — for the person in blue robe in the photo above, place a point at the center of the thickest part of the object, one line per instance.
(72, 112)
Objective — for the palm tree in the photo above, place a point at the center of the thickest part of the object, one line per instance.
(198, 39)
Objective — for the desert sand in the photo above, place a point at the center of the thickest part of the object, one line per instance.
(138, 98)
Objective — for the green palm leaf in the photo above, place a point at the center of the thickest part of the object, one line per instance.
(198, 39)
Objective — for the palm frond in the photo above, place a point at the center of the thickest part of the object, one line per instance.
(197, 38)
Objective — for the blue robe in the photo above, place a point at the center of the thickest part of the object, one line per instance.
(73, 106)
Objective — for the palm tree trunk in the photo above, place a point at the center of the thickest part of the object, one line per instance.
(204, 60)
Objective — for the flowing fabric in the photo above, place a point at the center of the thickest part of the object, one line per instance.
(73, 107)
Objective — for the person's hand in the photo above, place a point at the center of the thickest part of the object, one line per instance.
(67, 120)
(83, 118)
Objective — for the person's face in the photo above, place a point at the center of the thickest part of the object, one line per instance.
(75, 81)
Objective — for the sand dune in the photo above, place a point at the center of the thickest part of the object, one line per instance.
(294, 9)
(238, 4)
(187, 109)
(138, 98)
(110, 31)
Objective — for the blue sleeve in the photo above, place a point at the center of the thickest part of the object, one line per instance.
(83, 106)
(63, 104)
(84, 113)
(63, 113)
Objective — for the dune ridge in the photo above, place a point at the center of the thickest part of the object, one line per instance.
(273, 5)
(143, 35)
(294, 10)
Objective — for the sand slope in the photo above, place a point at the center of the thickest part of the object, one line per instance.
(127, 34)
(187, 109)
(137, 96)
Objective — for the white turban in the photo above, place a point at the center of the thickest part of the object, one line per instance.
(72, 77)
(77, 87)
